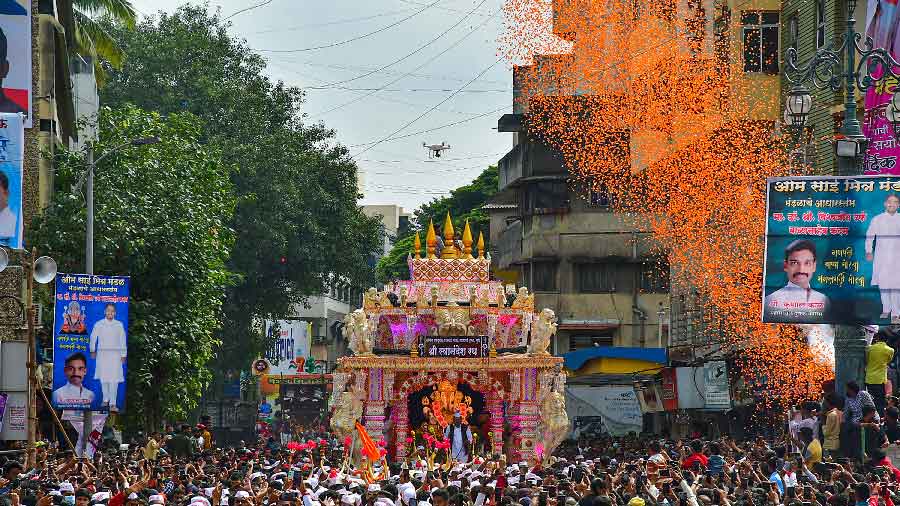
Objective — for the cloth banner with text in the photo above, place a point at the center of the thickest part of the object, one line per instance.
(832, 250)
(90, 342)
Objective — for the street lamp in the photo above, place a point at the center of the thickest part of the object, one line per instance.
(89, 233)
(836, 68)
(797, 107)
(89, 193)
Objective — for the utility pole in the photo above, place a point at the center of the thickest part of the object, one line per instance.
(89, 238)
(88, 414)
(33, 385)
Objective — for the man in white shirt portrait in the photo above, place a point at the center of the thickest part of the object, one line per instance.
(8, 221)
(74, 393)
(883, 250)
(797, 301)
(109, 350)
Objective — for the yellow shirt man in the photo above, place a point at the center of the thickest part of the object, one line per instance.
(877, 358)
(813, 454)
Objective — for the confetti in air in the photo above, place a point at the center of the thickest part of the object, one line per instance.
(648, 102)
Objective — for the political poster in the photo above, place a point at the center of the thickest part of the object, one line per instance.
(12, 152)
(832, 250)
(289, 346)
(15, 62)
(90, 342)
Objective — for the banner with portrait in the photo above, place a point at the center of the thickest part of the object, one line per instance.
(832, 251)
(12, 152)
(15, 64)
(90, 342)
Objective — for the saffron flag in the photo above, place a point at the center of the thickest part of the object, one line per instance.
(368, 446)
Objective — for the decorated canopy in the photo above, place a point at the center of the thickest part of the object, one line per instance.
(451, 340)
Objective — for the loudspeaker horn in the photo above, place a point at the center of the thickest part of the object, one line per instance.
(44, 270)
(4, 259)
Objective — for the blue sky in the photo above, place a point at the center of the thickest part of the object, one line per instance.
(396, 171)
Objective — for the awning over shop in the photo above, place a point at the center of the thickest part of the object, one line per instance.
(615, 360)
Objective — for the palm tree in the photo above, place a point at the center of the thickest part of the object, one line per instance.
(92, 40)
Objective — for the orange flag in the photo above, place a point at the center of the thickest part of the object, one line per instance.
(368, 446)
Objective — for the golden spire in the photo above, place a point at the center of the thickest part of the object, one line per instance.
(480, 244)
(417, 245)
(431, 239)
(467, 241)
(449, 250)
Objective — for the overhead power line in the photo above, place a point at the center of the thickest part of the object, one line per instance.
(420, 48)
(354, 39)
(443, 160)
(432, 108)
(245, 9)
(421, 66)
(407, 90)
(439, 127)
(359, 68)
(428, 172)
(330, 23)
(382, 98)
(447, 9)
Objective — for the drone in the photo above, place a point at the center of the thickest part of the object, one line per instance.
(434, 150)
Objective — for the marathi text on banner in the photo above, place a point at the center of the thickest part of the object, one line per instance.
(832, 250)
(90, 342)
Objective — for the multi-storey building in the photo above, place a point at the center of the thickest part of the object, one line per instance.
(602, 274)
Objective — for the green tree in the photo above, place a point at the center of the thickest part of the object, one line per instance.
(297, 191)
(87, 34)
(162, 216)
(463, 203)
(393, 265)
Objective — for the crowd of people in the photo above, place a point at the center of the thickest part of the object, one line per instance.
(817, 462)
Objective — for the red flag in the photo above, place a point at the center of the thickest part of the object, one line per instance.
(368, 446)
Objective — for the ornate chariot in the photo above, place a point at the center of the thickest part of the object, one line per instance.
(450, 340)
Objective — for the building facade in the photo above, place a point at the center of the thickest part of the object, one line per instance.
(616, 307)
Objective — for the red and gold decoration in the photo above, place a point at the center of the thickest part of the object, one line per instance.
(450, 294)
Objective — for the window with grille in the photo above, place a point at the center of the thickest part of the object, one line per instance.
(595, 278)
(820, 23)
(544, 197)
(544, 276)
(600, 198)
(760, 37)
(655, 277)
(793, 28)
